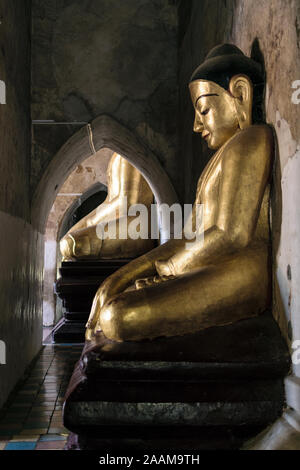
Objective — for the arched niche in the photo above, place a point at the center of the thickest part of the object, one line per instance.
(104, 131)
(55, 229)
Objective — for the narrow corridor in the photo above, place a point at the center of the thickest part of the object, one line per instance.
(32, 419)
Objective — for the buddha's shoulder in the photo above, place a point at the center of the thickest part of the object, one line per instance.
(258, 137)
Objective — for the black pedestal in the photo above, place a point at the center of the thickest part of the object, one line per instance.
(77, 287)
(212, 389)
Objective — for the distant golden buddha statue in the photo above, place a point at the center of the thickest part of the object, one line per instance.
(227, 277)
(126, 187)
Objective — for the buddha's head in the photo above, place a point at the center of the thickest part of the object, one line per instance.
(226, 92)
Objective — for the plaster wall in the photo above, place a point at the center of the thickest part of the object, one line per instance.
(20, 245)
(21, 280)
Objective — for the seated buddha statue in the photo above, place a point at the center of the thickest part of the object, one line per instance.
(174, 290)
(126, 187)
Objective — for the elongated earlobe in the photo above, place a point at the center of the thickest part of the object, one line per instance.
(241, 89)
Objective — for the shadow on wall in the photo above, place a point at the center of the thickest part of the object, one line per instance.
(275, 203)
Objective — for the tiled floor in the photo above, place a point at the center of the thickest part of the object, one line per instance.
(33, 418)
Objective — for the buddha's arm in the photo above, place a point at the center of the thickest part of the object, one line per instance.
(133, 190)
(245, 170)
(132, 184)
(106, 211)
(119, 181)
(140, 267)
(120, 196)
(119, 281)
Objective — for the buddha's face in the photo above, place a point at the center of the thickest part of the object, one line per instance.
(215, 113)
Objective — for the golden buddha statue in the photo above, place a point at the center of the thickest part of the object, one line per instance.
(126, 187)
(173, 290)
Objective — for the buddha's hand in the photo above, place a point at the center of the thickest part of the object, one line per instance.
(81, 244)
(75, 245)
(151, 281)
(66, 247)
(165, 268)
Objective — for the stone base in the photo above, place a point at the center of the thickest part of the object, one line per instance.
(213, 438)
(215, 388)
(77, 287)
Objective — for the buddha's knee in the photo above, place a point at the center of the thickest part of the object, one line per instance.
(117, 320)
(66, 247)
(76, 245)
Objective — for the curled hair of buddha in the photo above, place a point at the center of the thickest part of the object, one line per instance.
(225, 61)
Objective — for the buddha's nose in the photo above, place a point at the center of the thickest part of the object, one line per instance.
(198, 126)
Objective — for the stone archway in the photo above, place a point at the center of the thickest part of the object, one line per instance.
(104, 131)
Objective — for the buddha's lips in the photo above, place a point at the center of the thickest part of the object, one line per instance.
(205, 135)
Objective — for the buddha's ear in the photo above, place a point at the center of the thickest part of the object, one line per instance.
(241, 89)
